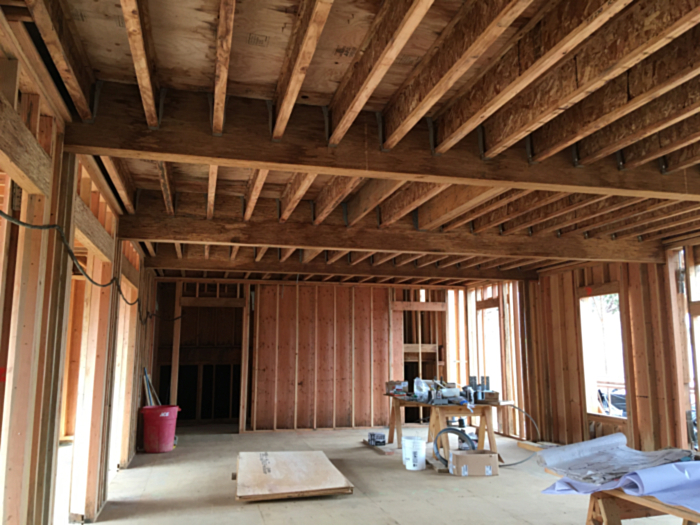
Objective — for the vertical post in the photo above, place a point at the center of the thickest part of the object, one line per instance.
(175, 362)
(245, 351)
(690, 280)
(131, 376)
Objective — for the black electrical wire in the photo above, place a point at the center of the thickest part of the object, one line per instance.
(539, 438)
(113, 282)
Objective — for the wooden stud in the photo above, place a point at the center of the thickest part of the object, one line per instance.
(175, 359)
(166, 186)
(294, 192)
(224, 37)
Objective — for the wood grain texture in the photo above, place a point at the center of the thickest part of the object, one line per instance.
(343, 358)
(392, 28)
(371, 195)
(286, 357)
(90, 233)
(307, 369)
(270, 233)
(515, 209)
(122, 180)
(476, 27)
(335, 192)
(311, 19)
(211, 190)
(620, 45)
(557, 35)
(406, 199)
(224, 37)
(293, 193)
(64, 45)
(166, 186)
(362, 356)
(325, 352)
(682, 159)
(185, 136)
(667, 110)
(449, 205)
(138, 27)
(253, 189)
(265, 359)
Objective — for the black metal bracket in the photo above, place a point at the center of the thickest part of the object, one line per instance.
(380, 126)
(272, 118)
(481, 141)
(279, 209)
(313, 210)
(327, 125)
(529, 149)
(432, 137)
(95, 102)
(161, 104)
(575, 155)
(344, 206)
(620, 159)
(663, 165)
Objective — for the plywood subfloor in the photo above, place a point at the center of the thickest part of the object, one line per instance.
(265, 476)
(193, 485)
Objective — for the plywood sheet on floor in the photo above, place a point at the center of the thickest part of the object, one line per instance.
(264, 476)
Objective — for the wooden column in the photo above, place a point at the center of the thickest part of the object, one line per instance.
(175, 363)
(22, 362)
(131, 378)
(91, 390)
(55, 328)
(245, 353)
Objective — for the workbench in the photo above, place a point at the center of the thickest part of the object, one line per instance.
(438, 421)
(610, 507)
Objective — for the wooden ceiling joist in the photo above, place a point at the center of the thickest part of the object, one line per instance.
(332, 195)
(671, 108)
(309, 255)
(295, 190)
(498, 202)
(122, 180)
(138, 27)
(660, 213)
(391, 29)
(358, 257)
(100, 181)
(476, 27)
(166, 186)
(590, 211)
(319, 268)
(334, 256)
(286, 253)
(253, 189)
(406, 199)
(150, 248)
(234, 252)
(556, 209)
(653, 223)
(452, 261)
(310, 21)
(381, 258)
(211, 190)
(246, 144)
(224, 37)
(544, 45)
(672, 139)
(677, 229)
(515, 209)
(260, 252)
(623, 42)
(671, 66)
(169, 229)
(430, 260)
(371, 195)
(178, 250)
(600, 224)
(63, 43)
(406, 258)
(452, 204)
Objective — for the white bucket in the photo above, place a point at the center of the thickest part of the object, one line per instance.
(405, 447)
(415, 454)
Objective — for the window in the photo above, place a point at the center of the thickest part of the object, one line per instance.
(603, 356)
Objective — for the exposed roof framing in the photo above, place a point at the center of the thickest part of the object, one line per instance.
(224, 37)
(138, 26)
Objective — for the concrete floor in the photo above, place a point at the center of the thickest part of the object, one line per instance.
(193, 484)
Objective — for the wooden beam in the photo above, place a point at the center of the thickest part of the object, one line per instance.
(450, 205)
(653, 223)
(589, 69)
(476, 27)
(540, 49)
(246, 144)
(100, 181)
(358, 257)
(293, 193)
(550, 211)
(21, 156)
(63, 43)
(211, 190)
(515, 209)
(332, 195)
(309, 255)
(391, 29)
(212, 302)
(311, 18)
(382, 258)
(234, 252)
(676, 138)
(90, 233)
(169, 229)
(175, 359)
(657, 213)
(253, 189)
(430, 260)
(598, 225)
(150, 247)
(178, 250)
(407, 199)
(371, 195)
(286, 253)
(260, 253)
(667, 110)
(320, 268)
(334, 256)
(122, 180)
(406, 258)
(451, 261)
(417, 306)
(224, 37)
(138, 28)
(674, 64)
(166, 186)
(498, 202)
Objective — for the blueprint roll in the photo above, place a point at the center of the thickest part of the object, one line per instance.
(561, 455)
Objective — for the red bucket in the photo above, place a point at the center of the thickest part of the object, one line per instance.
(159, 428)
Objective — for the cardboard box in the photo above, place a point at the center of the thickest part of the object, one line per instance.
(392, 386)
(473, 463)
(492, 397)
